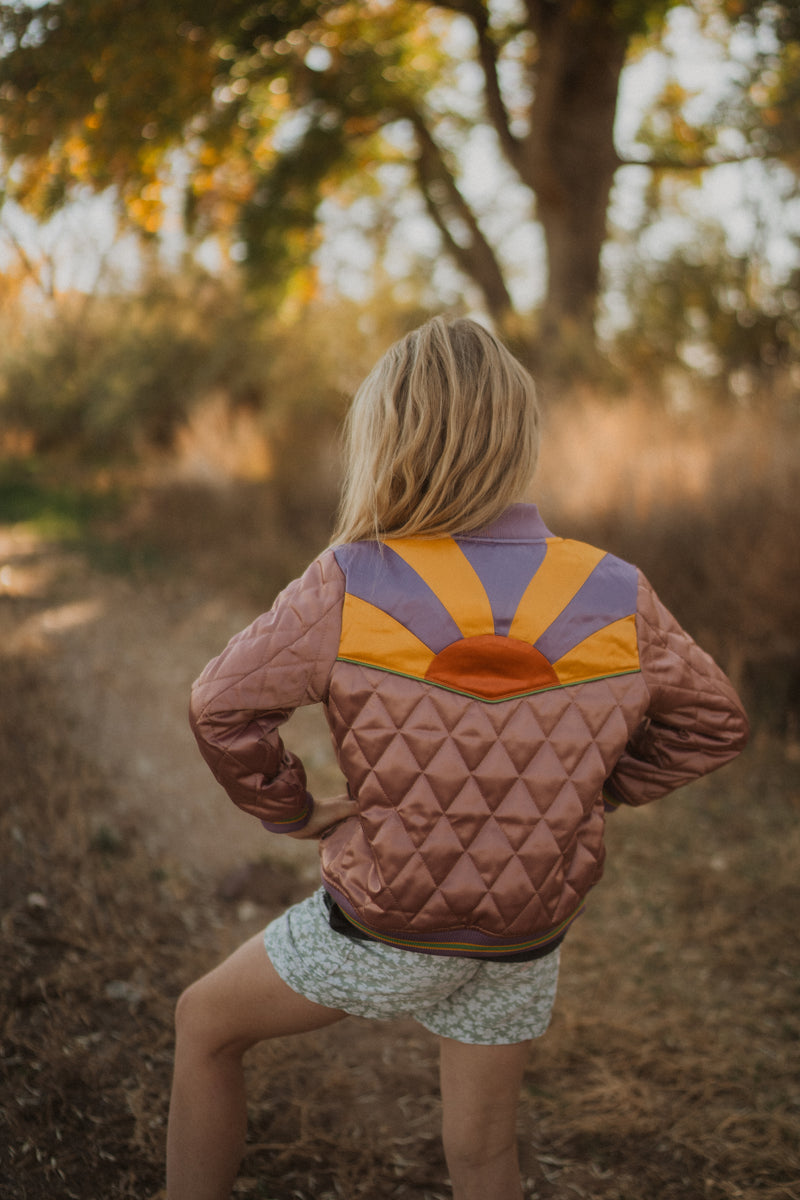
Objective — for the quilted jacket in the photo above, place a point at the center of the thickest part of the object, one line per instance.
(489, 697)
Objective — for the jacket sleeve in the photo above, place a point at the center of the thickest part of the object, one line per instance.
(281, 661)
(694, 722)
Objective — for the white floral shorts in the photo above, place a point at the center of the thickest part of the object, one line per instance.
(469, 1000)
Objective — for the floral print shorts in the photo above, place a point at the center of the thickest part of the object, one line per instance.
(469, 1000)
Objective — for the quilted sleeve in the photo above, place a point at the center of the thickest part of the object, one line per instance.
(281, 661)
(694, 723)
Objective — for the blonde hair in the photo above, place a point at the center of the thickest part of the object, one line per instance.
(442, 436)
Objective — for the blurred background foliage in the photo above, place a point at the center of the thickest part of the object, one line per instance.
(248, 125)
(217, 215)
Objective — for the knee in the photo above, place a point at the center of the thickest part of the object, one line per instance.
(195, 1025)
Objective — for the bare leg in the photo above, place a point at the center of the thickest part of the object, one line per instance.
(240, 1003)
(480, 1096)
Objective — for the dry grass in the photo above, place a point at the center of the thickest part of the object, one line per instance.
(680, 1010)
(93, 946)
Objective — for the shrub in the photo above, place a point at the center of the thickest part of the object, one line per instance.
(108, 377)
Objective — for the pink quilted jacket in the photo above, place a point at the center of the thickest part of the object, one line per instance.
(489, 696)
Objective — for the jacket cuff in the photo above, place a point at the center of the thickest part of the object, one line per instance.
(610, 802)
(293, 824)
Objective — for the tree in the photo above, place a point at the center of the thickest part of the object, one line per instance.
(275, 104)
(715, 312)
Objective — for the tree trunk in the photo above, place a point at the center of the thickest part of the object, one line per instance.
(568, 157)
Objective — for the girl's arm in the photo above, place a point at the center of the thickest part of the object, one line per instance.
(695, 721)
(281, 661)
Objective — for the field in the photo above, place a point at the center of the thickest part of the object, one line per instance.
(671, 1067)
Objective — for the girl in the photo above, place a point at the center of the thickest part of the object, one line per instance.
(492, 691)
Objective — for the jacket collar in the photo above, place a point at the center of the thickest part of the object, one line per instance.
(519, 523)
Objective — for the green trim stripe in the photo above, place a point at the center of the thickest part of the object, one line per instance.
(484, 699)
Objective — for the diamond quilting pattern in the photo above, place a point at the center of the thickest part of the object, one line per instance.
(496, 773)
(246, 693)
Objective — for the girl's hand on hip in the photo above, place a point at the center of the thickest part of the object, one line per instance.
(326, 814)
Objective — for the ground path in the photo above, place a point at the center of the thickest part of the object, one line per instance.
(121, 652)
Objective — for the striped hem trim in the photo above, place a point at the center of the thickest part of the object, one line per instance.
(460, 943)
(610, 803)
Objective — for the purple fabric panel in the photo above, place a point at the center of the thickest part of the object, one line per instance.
(607, 595)
(505, 572)
(376, 574)
(520, 522)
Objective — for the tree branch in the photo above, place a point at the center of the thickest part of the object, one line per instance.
(495, 105)
(476, 13)
(33, 270)
(695, 164)
(475, 257)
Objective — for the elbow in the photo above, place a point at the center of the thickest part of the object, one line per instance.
(195, 710)
(729, 740)
(199, 711)
(741, 732)
(736, 729)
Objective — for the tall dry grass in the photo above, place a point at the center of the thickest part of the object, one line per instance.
(704, 500)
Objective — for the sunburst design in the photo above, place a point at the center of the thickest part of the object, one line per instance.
(491, 619)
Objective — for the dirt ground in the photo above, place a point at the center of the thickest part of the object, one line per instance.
(670, 1070)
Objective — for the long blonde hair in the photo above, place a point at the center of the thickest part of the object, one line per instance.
(442, 436)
